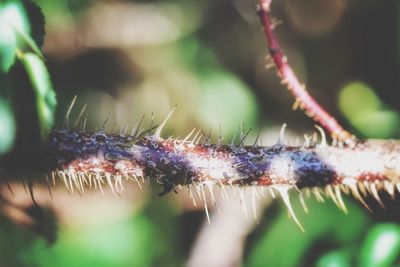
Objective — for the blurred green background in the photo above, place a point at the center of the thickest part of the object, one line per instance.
(128, 58)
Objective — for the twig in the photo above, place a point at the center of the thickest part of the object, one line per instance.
(303, 98)
(86, 158)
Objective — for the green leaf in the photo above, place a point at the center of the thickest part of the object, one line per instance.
(7, 47)
(29, 41)
(335, 259)
(382, 246)
(13, 13)
(15, 30)
(11, 17)
(7, 127)
(229, 97)
(45, 96)
(324, 222)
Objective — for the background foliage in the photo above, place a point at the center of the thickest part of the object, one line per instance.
(128, 58)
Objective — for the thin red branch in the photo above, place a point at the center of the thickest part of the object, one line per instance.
(306, 101)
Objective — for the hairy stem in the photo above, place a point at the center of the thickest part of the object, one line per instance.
(96, 158)
(303, 98)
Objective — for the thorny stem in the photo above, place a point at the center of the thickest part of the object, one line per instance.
(303, 98)
(95, 159)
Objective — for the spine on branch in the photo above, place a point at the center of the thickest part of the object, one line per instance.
(94, 159)
(180, 162)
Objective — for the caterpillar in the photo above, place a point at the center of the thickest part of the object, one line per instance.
(82, 158)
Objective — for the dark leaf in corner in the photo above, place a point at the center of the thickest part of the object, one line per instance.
(37, 22)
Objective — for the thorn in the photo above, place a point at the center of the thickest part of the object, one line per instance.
(257, 192)
(354, 190)
(80, 116)
(137, 129)
(121, 186)
(208, 139)
(64, 177)
(69, 110)
(122, 130)
(138, 182)
(214, 201)
(314, 138)
(318, 195)
(191, 195)
(99, 180)
(90, 178)
(70, 182)
(195, 137)
(10, 189)
(242, 202)
(24, 185)
(84, 121)
(220, 137)
(108, 178)
(307, 192)
(253, 200)
(272, 192)
(105, 122)
(323, 137)
(188, 136)
(133, 129)
(200, 136)
(94, 181)
(340, 199)
(81, 178)
(47, 184)
(75, 178)
(334, 141)
(30, 187)
(283, 191)
(363, 189)
(281, 139)
(329, 193)
(233, 189)
(84, 180)
(243, 139)
(224, 193)
(195, 188)
(258, 136)
(262, 191)
(205, 204)
(389, 187)
(376, 195)
(303, 203)
(296, 105)
(269, 65)
(151, 120)
(307, 141)
(53, 177)
(157, 133)
(241, 128)
(275, 23)
(118, 184)
(234, 136)
(345, 189)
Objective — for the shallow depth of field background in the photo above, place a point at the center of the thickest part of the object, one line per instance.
(129, 58)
